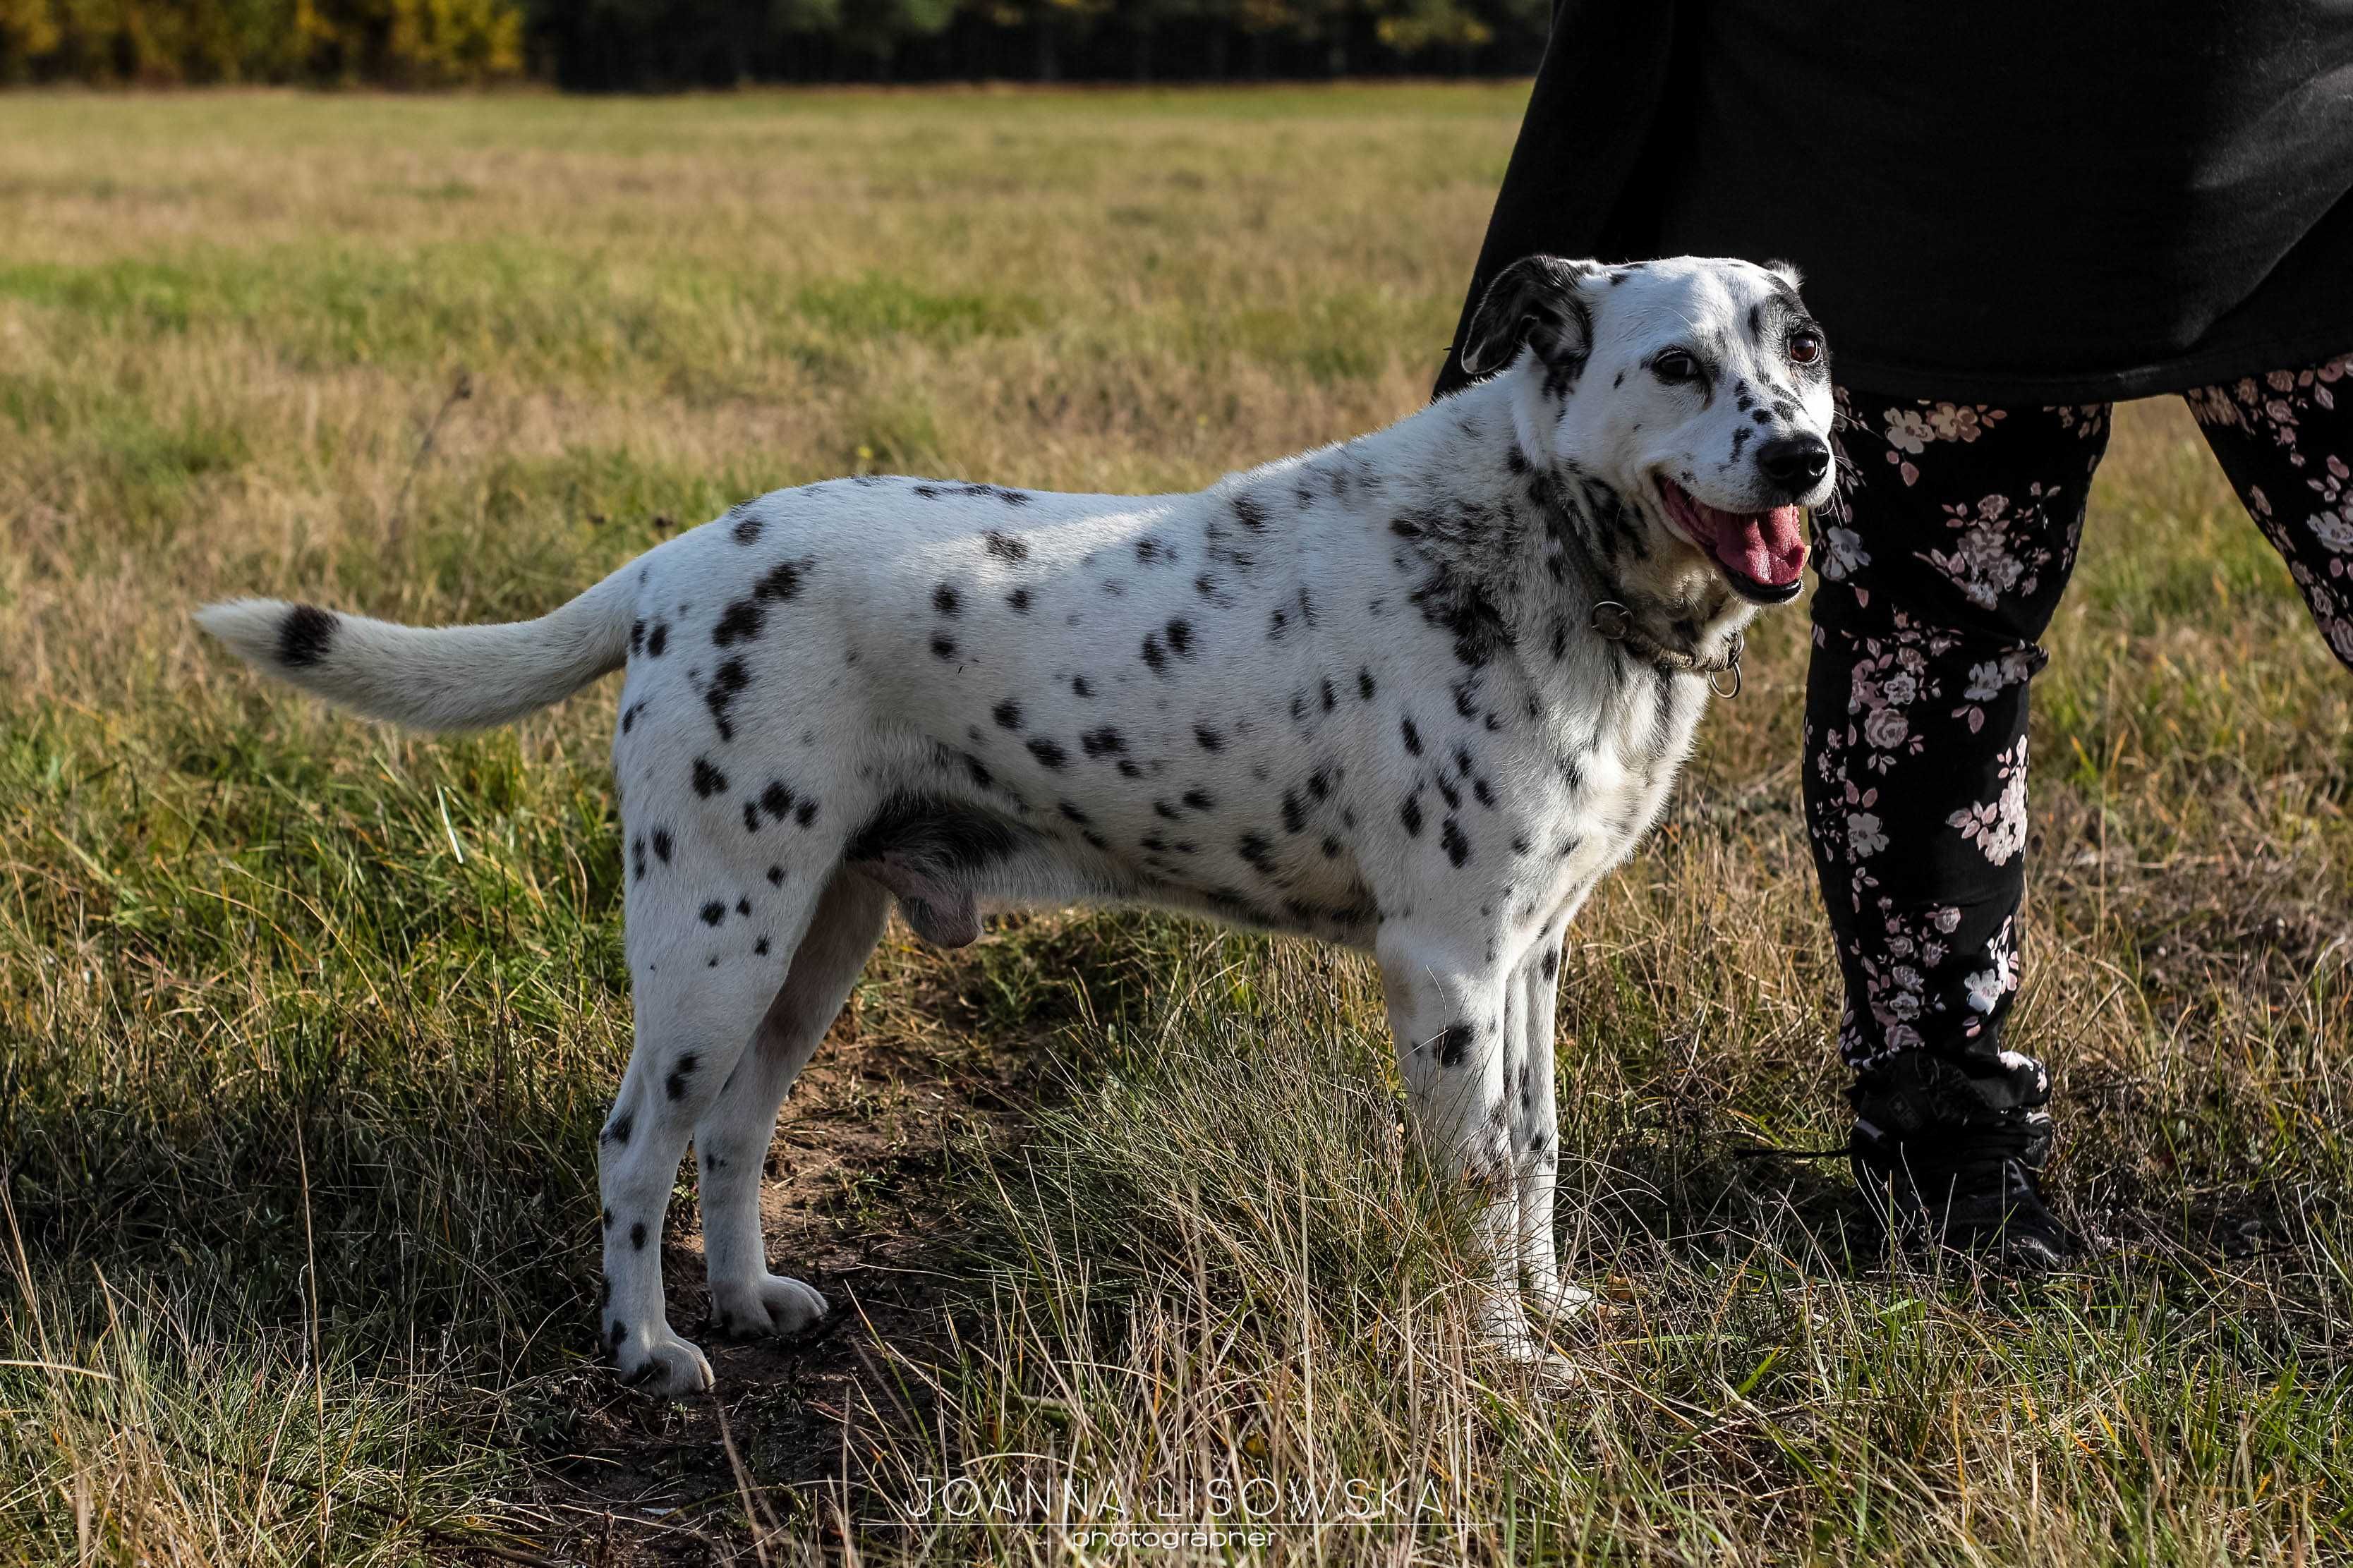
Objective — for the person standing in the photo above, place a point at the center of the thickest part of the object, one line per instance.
(2009, 217)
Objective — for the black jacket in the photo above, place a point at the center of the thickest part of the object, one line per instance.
(2051, 201)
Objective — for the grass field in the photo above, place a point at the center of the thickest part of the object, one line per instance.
(307, 1026)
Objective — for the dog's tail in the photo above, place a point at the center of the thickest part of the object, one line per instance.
(432, 678)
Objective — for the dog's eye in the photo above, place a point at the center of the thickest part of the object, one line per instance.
(1804, 348)
(1675, 365)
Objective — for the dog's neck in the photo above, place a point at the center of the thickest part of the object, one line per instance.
(1559, 550)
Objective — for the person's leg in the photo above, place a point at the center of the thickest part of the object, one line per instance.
(2285, 439)
(1941, 563)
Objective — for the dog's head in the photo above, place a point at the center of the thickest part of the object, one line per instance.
(1699, 390)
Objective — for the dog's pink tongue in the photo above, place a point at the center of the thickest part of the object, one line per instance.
(1769, 547)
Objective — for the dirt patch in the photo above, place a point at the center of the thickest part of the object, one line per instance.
(853, 1203)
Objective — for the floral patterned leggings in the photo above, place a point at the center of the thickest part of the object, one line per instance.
(1941, 565)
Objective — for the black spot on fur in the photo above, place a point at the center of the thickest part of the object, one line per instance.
(944, 647)
(775, 876)
(617, 1130)
(1295, 814)
(1082, 686)
(945, 600)
(1155, 654)
(1458, 848)
(1462, 607)
(1201, 800)
(1552, 963)
(1048, 752)
(1365, 687)
(1019, 601)
(713, 912)
(750, 816)
(638, 858)
(1180, 637)
(1005, 547)
(726, 681)
(304, 635)
(1208, 739)
(1412, 736)
(1104, 742)
(739, 623)
(805, 813)
(662, 845)
(1256, 853)
(636, 635)
(743, 906)
(1250, 513)
(743, 619)
(708, 780)
(1007, 714)
(1454, 1044)
(656, 639)
(637, 1237)
(1409, 813)
(760, 948)
(747, 528)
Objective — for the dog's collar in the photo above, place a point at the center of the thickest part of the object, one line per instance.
(1616, 623)
(1615, 620)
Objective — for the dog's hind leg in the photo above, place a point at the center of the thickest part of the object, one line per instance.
(1448, 1008)
(705, 974)
(731, 1141)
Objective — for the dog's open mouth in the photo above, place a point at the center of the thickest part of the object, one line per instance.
(1763, 553)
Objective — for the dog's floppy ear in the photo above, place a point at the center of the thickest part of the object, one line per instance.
(1537, 301)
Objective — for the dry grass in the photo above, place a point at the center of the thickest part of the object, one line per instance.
(305, 1026)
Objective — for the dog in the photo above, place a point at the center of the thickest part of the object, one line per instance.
(1416, 693)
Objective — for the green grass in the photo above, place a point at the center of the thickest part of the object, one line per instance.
(306, 1026)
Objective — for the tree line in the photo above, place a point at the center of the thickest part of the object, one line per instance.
(653, 45)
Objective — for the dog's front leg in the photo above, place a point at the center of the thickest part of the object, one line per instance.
(1449, 1008)
(1536, 1133)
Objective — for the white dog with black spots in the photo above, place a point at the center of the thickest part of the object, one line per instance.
(1416, 693)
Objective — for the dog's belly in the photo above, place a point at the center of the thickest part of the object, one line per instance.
(948, 858)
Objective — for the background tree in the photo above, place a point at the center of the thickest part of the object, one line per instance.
(657, 44)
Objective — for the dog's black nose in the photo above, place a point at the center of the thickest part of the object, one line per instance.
(1795, 461)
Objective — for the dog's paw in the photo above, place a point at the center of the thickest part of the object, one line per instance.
(1556, 1300)
(1506, 1334)
(767, 1304)
(655, 1358)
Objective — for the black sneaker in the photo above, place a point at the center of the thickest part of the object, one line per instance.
(1946, 1152)
(1971, 1188)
